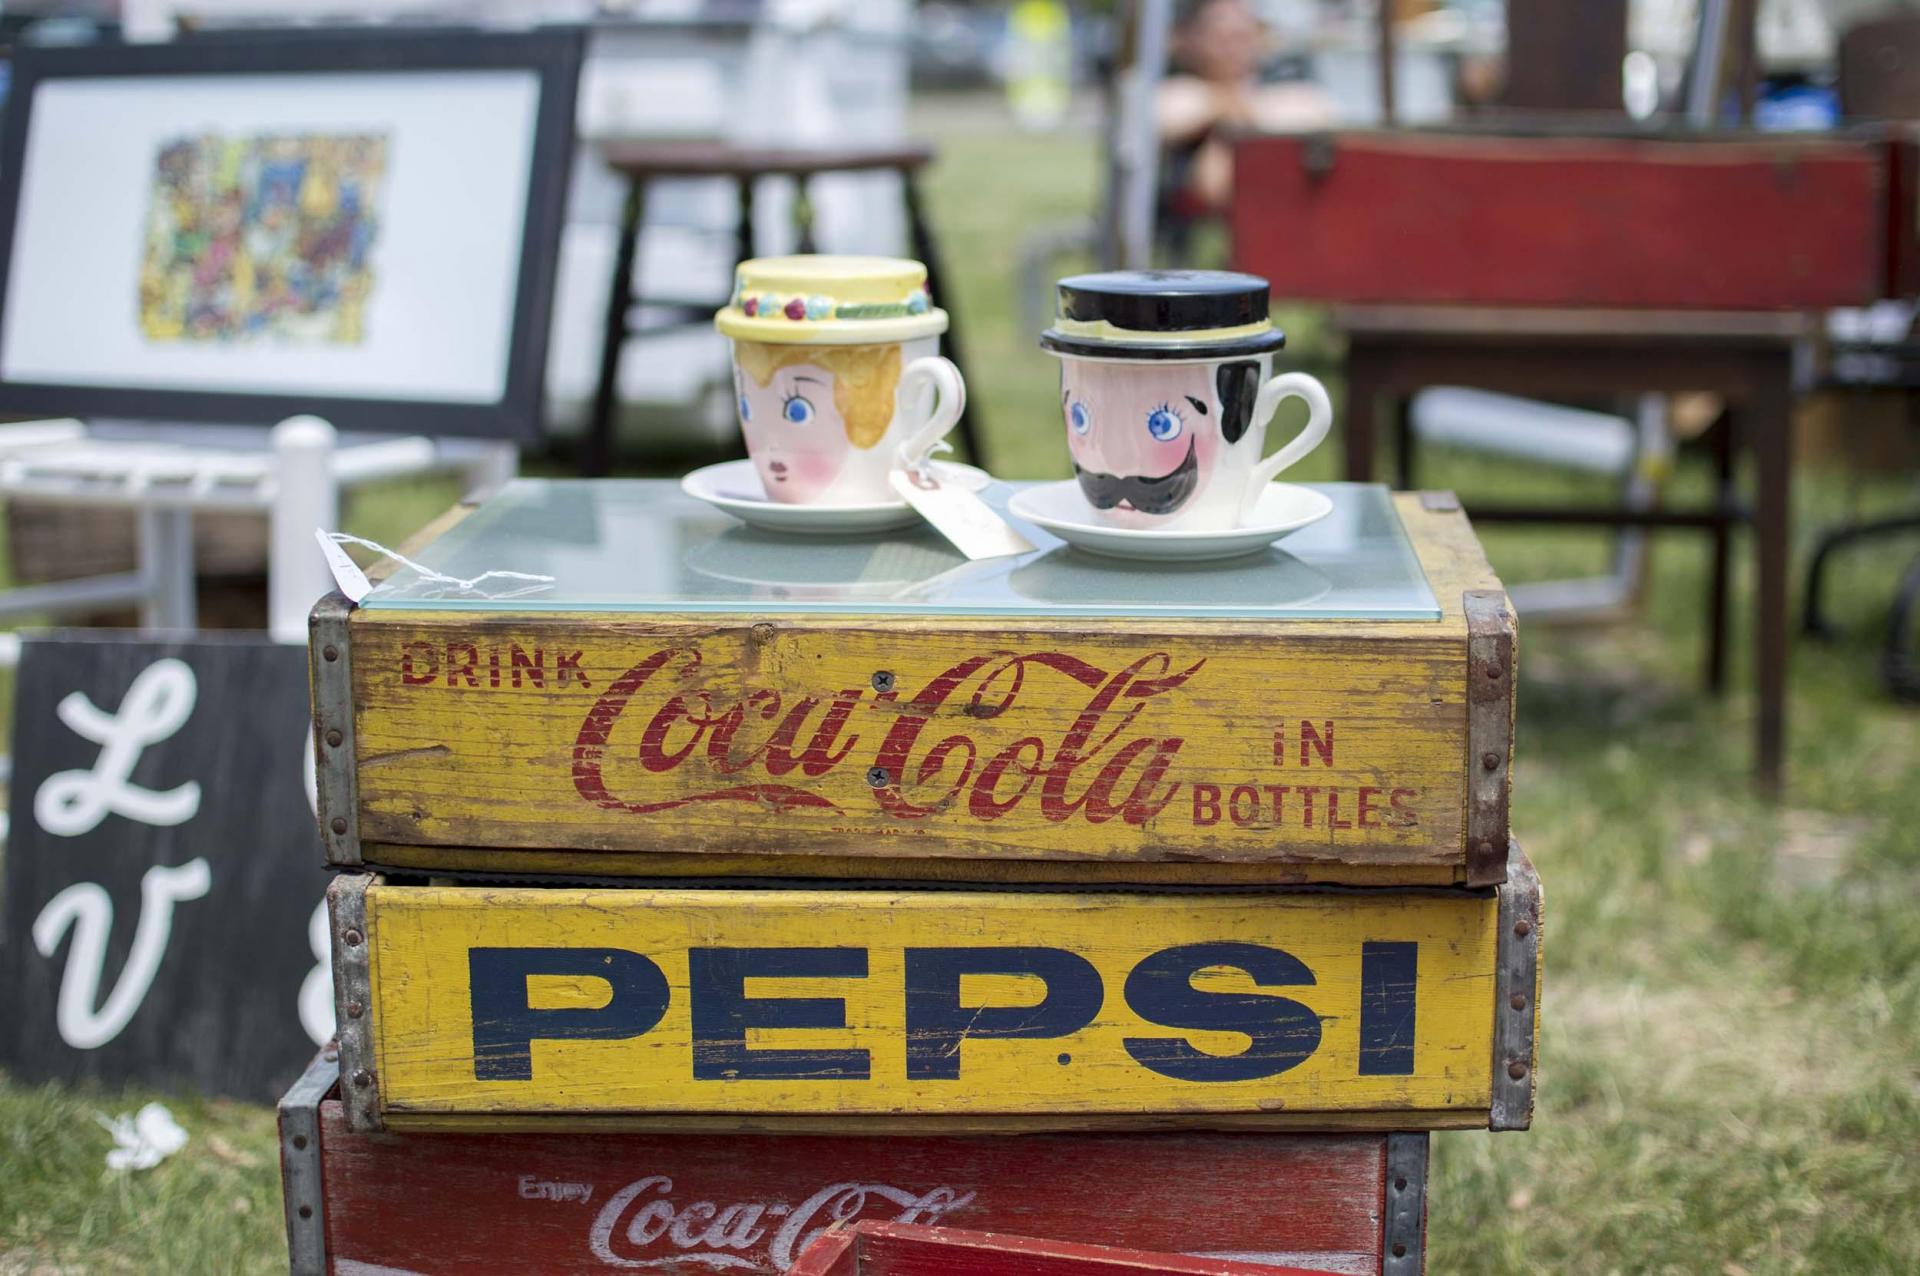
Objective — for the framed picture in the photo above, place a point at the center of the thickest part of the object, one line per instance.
(362, 226)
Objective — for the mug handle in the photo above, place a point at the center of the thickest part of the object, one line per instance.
(935, 382)
(1319, 420)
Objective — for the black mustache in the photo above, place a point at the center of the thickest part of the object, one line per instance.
(1148, 495)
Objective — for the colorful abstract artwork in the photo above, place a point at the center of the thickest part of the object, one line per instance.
(268, 236)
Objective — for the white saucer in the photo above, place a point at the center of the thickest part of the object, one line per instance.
(734, 486)
(1062, 509)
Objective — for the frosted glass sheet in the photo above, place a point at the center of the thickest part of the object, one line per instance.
(644, 546)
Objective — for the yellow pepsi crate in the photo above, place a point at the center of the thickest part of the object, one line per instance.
(471, 1006)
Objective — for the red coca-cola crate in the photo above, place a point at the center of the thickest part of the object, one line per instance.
(1706, 223)
(910, 1249)
(507, 1202)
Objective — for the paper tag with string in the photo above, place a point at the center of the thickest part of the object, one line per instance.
(346, 573)
(354, 583)
(957, 514)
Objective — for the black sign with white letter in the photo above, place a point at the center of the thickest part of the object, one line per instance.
(163, 917)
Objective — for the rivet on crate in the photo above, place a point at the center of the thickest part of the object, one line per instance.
(1518, 1001)
(329, 653)
(353, 938)
(339, 825)
(1517, 1070)
(1523, 928)
(334, 737)
(1490, 760)
(363, 1078)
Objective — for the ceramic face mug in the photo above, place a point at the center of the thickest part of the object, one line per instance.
(836, 374)
(1166, 389)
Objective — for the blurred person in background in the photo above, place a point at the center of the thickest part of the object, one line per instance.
(1219, 48)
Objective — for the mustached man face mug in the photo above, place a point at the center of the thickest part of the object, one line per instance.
(837, 375)
(1166, 390)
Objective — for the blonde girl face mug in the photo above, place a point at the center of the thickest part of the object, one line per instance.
(837, 375)
(1166, 392)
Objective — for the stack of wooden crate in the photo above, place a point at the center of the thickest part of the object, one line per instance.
(674, 928)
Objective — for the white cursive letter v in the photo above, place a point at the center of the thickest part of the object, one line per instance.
(88, 909)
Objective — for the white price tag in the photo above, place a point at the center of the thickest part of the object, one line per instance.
(958, 515)
(346, 573)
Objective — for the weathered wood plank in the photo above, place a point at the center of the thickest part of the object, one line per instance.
(1485, 220)
(557, 743)
(1009, 1010)
(871, 1248)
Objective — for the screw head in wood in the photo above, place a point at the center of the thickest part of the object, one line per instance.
(883, 680)
(339, 825)
(363, 1078)
(1523, 928)
(879, 777)
(334, 737)
(353, 938)
(329, 653)
(1517, 1070)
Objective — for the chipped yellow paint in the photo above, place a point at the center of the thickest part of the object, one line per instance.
(423, 1021)
(1310, 750)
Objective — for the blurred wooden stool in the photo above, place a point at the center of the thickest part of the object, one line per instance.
(642, 162)
(1751, 359)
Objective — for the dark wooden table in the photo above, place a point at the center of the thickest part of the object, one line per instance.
(642, 162)
(1754, 361)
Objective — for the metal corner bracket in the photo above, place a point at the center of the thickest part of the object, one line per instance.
(330, 676)
(353, 999)
(1490, 703)
(1403, 1240)
(1516, 996)
(302, 1185)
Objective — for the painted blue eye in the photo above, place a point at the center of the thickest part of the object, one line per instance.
(1163, 425)
(797, 410)
(1079, 418)
(746, 409)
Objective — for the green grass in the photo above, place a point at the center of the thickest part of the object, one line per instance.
(1730, 1068)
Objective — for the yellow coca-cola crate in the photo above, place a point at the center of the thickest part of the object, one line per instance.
(613, 679)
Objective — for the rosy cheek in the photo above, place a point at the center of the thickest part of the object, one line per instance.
(816, 469)
(1170, 452)
(1206, 446)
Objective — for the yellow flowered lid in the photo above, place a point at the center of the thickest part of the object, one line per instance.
(824, 300)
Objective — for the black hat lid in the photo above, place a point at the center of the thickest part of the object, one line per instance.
(1162, 314)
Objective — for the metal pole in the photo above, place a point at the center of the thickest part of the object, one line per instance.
(1137, 141)
(166, 568)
